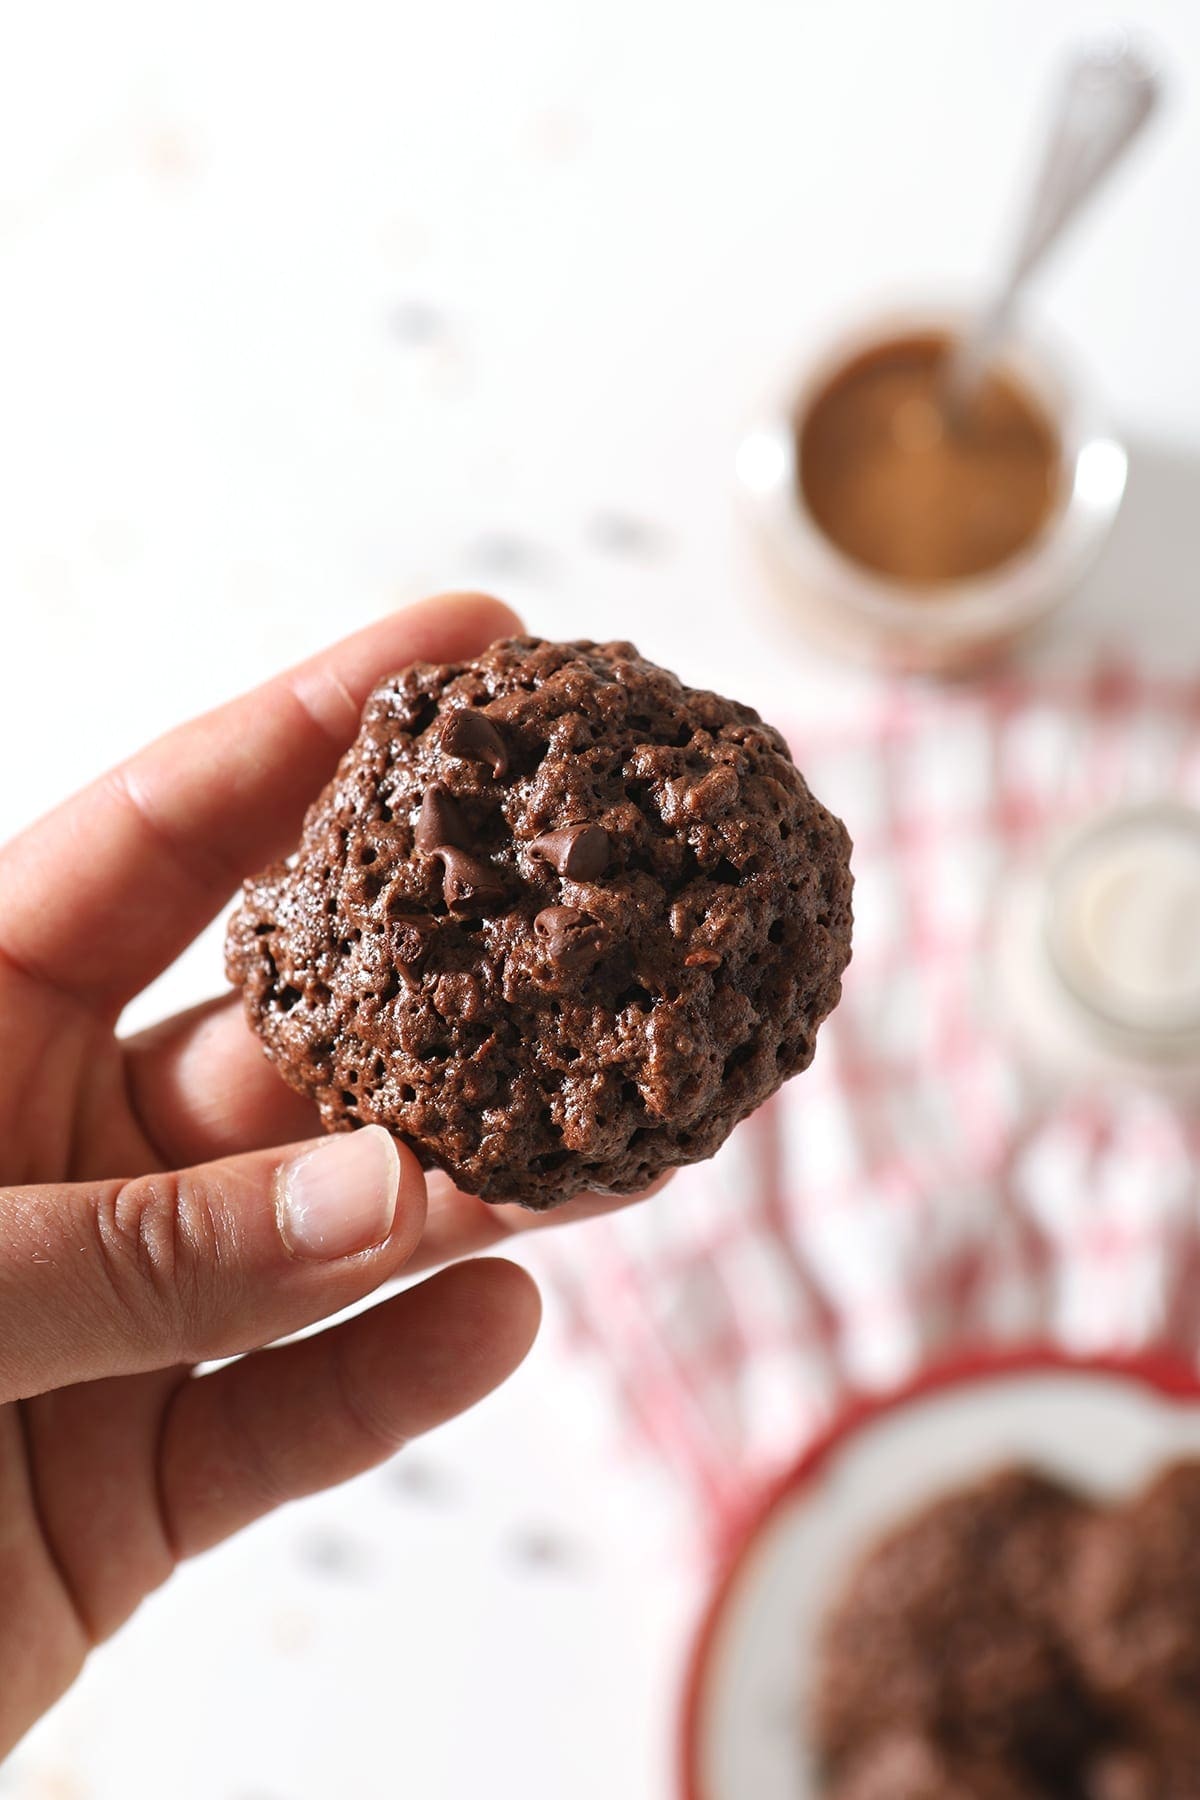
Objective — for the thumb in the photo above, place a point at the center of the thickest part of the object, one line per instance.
(115, 1277)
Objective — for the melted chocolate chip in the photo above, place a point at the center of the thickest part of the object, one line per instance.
(439, 822)
(580, 852)
(469, 882)
(468, 735)
(568, 934)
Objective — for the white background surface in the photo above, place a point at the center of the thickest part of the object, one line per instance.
(308, 311)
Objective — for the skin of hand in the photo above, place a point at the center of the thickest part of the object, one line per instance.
(165, 1200)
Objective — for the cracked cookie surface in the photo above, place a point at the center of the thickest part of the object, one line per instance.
(558, 921)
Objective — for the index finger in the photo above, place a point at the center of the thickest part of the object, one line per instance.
(103, 893)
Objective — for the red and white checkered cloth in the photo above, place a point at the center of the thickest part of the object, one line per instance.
(915, 1190)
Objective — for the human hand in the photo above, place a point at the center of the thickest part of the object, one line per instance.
(149, 1219)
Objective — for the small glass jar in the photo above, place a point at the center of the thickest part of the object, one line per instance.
(945, 627)
(1098, 949)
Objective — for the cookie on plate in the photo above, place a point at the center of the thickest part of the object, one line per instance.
(1135, 1607)
(946, 1633)
(1170, 1770)
(907, 1767)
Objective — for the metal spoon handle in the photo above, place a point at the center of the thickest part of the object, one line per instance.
(1108, 92)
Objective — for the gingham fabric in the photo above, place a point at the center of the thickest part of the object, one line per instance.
(919, 1188)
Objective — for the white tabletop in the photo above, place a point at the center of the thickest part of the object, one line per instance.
(305, 316)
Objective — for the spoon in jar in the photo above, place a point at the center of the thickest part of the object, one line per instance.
(1108, 93)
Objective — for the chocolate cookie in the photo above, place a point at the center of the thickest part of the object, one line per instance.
(910, 1768)
(1168, 1771)
(1135, 1607)
(559, 922)
(945, 1633)
(1014, 1634)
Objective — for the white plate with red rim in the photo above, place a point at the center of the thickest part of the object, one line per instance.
(1105, 1426)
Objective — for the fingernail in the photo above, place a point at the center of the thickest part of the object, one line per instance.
(340, 1197)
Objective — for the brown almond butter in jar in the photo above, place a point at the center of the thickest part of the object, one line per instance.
(899, 489)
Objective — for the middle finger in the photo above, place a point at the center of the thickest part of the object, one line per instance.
(202, 1087)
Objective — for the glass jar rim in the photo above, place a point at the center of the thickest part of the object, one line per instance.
(1172, 1028)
